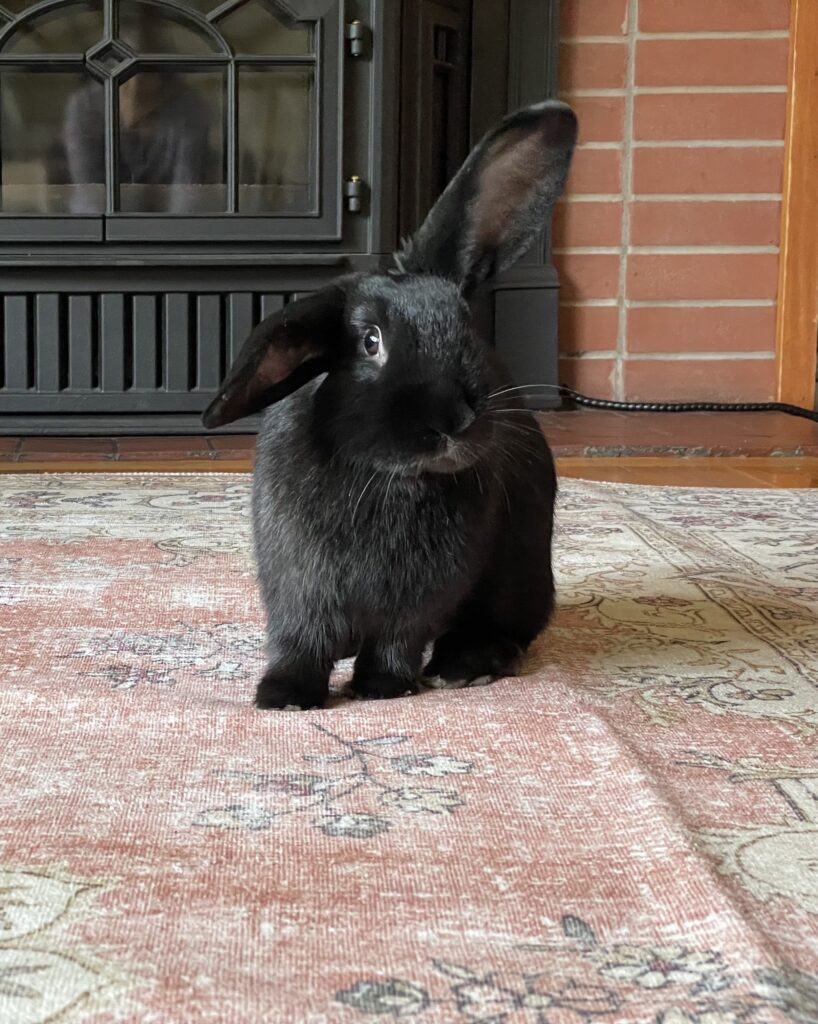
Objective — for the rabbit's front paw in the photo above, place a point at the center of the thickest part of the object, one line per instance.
(380, 687)
(280, 690)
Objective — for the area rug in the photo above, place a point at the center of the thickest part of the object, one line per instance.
(627, 833)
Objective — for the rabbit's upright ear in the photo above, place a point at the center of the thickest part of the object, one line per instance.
(283, 352)
(499, 200)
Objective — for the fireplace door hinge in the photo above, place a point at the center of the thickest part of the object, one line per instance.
(359, 38)
(354, 191)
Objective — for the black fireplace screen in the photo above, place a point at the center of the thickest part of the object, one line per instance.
(173, 170)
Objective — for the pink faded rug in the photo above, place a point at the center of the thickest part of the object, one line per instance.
(627, 834)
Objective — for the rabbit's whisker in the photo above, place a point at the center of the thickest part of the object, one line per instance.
(514, 457)
(518, 428)
(384, 505)
(504, 407)
(361, 495)
(514, 448)
(476, 468)
(501, 484)
(524, 387)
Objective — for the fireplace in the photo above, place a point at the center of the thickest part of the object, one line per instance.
(171, 171)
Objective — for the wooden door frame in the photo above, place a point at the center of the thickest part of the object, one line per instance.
(796, 341)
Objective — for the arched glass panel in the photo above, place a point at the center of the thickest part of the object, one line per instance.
(254, 28)
(40, 140)
(16, 6)
(147, 28)
(172, 146)
(200, 119)
(72, 28)
(202, 6)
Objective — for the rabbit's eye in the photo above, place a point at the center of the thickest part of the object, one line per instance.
(372, 340)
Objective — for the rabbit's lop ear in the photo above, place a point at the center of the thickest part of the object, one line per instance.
(283, 352)
(499, 200)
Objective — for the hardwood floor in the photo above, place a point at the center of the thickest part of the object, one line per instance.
(694, 450)
(770, 471)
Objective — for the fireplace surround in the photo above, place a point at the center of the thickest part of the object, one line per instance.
(171, 171)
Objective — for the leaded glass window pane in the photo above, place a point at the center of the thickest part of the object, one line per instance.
(172, 142)
(276, 161)
(41, 161)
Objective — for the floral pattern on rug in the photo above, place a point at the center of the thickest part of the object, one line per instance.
(708, 598)
(582, 981)
(41, 976)
(128, 659)
(626, 834)
(332, 788)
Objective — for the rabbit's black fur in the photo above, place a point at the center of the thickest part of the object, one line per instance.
(398, 498)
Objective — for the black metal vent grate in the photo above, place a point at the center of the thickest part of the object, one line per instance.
(114, 352)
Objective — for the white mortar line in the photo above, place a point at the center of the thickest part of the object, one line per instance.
(580, 93)
(594, 39)
(676, 197)
(703, 357)
(710, 144)
(593, 197)
(666, 250)
(689, 144)
(627, 196)
(690, 36)
(700, 303)
(696, 36)
(679, 90)
(604, 354)
(672, 357)
(699, 90)
(703, 250)
(708, 197)
(587, 250)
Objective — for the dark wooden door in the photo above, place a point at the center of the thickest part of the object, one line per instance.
(435, 66)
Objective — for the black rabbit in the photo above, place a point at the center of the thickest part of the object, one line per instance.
(400, 496)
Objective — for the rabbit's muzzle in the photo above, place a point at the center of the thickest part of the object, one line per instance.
(436, 426)
(452, 456)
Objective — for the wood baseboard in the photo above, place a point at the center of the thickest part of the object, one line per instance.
(797, 318)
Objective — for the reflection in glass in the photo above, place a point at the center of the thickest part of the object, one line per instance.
(172, 143)
(171, 118)
(276, 141)
(151, 28)
(71, 28)
(15, 6)
(39, 174)
(202, 6)
(254, 28)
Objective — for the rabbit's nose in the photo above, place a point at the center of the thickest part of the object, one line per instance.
(464, 417)
(454, 418)
(430, 439)
(450, 421)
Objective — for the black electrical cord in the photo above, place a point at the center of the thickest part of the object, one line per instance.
(609, 403)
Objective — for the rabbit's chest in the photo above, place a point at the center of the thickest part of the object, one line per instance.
(397, 555)
(375, 552)
(411, 554)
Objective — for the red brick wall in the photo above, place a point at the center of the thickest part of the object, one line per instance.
(667, 240)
